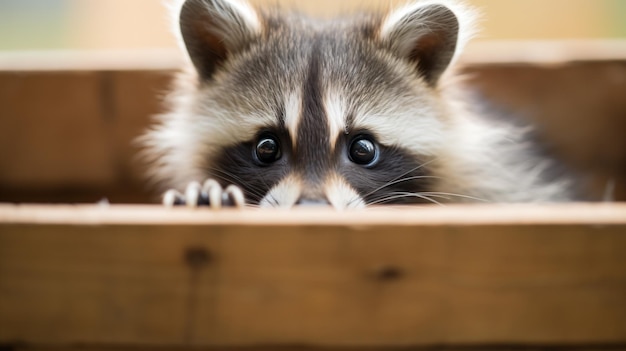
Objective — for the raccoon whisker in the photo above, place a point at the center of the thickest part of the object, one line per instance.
(353, 201)
(399, 178)
(394, 182)
(389, 198)
(399, 181)
(229, 177)
(225, 176)
(439, 196)
(448, 195)
(399, 195)
(273, 201)
(249, 205)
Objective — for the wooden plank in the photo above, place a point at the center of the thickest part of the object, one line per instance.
(136, 97)
(70, 134)
(310, 348)
(415, 276)
(52, 130)
(588, 214)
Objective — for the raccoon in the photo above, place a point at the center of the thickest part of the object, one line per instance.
(280, 110)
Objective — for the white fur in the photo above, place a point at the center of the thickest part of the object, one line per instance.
(336, 108)
(240, 20)
(414, 124)
(293, 115)
(466, 16)
(172, 146)
(492, 162)
(340, 194)
(285, 194)
(225, 7)
(245, 10)
(238, 12)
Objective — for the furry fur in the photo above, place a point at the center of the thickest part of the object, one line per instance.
(363, 110)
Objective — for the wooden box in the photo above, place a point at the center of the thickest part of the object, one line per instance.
(140, 277)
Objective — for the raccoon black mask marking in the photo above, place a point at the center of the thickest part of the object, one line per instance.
(290, 110)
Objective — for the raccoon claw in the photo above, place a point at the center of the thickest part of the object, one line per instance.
(210, 194)
(173, 198)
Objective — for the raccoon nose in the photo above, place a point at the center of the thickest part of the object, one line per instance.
(306, 202)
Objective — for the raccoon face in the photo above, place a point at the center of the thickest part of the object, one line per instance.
(296, 111)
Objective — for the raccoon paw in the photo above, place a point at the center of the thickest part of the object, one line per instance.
(210, 194)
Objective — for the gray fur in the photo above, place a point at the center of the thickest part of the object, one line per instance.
(352, 77)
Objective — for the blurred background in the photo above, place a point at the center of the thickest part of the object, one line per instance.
(139, 24)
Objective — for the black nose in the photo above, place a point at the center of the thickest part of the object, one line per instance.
(306, 202)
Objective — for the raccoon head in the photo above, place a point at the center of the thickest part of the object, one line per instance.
(301, 111)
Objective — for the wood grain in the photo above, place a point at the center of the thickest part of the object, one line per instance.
(69, 135)
(459, 275)
(615, 347)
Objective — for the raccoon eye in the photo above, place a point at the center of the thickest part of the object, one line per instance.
(363, 151)
(267, 150)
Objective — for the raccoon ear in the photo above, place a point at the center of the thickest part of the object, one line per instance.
(212, 30)
(425, 34)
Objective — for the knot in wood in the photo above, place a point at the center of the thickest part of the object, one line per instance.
(197, 257)
(389, 273)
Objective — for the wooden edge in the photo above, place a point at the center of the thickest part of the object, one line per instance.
(488, 347)
(478, 52)
(320, 278)
(97, 60)
(511, 214)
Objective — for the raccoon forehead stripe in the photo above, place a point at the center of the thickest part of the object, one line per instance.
(313, 157)
(293, 115)
(336, 111)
